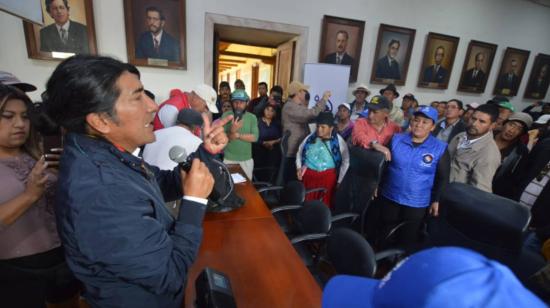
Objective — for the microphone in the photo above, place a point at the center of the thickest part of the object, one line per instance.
(179, 155)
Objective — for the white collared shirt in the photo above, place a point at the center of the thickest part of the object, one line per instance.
(466, 143)
(158, 36)
(64, 27)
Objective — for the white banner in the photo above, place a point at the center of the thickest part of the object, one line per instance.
(30, 10)
(333, 77)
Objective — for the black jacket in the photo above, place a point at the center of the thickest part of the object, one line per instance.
(536, 161)
(516, 160)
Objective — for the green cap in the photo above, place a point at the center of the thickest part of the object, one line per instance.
(507, 105)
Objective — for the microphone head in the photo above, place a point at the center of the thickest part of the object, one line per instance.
(177, 154)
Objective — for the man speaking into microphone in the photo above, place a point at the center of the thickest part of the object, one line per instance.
(119, 238)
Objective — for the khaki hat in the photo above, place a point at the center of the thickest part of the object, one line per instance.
(361, 87)
(522, 117)
(295, 87)
(209, 95)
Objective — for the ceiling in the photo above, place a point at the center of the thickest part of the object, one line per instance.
(251, 36)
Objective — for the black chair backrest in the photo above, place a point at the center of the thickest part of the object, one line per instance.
(283, 146)
(350, 253)
(359, 183)
(293, 193)
(493, 221)
(313, 217)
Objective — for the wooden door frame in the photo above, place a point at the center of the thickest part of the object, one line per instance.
(212, 19)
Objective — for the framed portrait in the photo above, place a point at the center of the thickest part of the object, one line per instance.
(341, 42)
(155, 33)
(438, 60)
(68, 29)
(511, 71)
(539, 78)
(393, 54)
(477, 66)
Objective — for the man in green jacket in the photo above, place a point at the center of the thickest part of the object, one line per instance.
(242, 132)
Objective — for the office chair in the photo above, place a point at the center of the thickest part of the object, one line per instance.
(359, 184)
(489, 224)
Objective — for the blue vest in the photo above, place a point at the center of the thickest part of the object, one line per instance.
(410, 175)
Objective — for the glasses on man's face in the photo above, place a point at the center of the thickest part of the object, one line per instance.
(543, 172)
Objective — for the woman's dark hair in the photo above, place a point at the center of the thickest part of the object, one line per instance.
(31, 145)
(81, 85)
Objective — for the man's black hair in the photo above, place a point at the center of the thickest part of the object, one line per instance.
(490, 109)
(458, 102)
(49, 2)
(224, 84)
(81, 85)
(262, 83)
(276, 88)
(155, 9)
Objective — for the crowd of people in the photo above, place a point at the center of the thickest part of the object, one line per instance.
(110, 228)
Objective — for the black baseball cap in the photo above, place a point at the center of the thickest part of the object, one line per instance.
(379, 102)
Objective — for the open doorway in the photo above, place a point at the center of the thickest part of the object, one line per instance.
(253, 51)
(251, 64)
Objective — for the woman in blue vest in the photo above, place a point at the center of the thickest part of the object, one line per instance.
(415, 177)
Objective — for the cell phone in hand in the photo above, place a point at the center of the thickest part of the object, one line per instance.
(52, 144)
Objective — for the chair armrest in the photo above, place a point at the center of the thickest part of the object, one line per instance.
(388, 253)
(396, 228)
(308, 237)
(318, 189)
(343, 216)
(270, 188)
(286, 208)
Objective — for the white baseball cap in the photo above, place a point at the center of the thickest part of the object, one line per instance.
(209, 95)
(543, 119)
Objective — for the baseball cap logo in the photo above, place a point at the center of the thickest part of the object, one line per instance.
(375, 100)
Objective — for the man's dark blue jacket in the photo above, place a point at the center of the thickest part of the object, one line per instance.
(119, 238)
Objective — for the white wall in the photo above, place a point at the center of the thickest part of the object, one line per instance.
(507, 23)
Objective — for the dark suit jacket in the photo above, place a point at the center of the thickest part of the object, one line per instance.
(77, 39)
(384, 70)
(538, 88)
(470, 81)
(438, 77)
(346, 60)
(457, 129)
(169, 48)
(505, 83)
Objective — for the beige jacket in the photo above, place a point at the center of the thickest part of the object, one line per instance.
(295, 118)
(476, 164)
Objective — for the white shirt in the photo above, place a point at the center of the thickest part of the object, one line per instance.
(158, 36)
(465, 143)
(156, 153)
(64, 27)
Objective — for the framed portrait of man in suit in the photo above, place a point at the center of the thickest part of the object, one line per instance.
(68, 30)
(438, 60)
(511, 71)
(477, 66)
(155, 33)
(341, 42)
(539, 78)
(393, 53)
